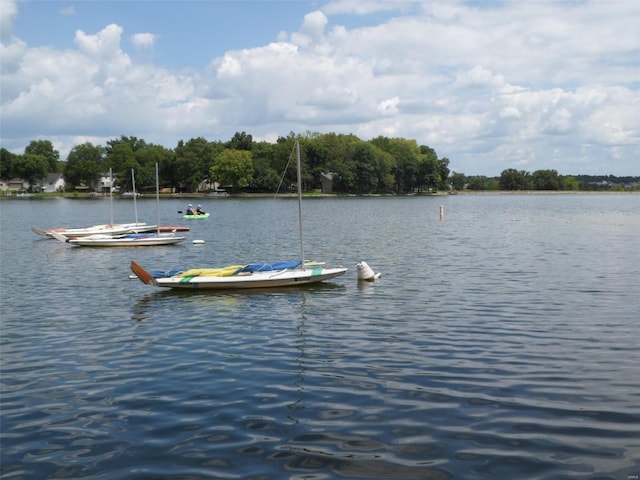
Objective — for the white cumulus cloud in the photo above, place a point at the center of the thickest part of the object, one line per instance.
(144, 40)
(488, 85)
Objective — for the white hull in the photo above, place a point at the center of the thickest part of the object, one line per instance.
(108, 241)
(117, 229)
(270, 279)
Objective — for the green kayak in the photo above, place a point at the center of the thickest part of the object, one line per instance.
(196, 217)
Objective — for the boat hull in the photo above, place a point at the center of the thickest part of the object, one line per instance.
(196, 217)
(173, 228)
(133, 241)
(271, 279)
(116, 229)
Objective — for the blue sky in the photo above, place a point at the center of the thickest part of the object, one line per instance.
(190, 33)
(490, 85)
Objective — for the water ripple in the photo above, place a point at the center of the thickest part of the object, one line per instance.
(501, 348)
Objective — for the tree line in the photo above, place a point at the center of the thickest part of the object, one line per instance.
(549, 180)
(381, 165)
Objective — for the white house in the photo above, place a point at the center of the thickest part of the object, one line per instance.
(105, 183)
(53, 182)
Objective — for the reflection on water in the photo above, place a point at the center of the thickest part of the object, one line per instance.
(500, 342)
(216, 301)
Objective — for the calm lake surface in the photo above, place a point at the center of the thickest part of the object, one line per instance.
(502, 342)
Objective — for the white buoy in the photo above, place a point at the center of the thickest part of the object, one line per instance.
(366, 273)
(441, 211)
(198, 242)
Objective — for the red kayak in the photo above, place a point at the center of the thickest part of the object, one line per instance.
(169, 228)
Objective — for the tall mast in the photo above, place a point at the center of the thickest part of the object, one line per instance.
(158, 199)
(300, 202)
(111, 193)
(135, 205)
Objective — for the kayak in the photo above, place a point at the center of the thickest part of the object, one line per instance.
(196, 217)
(172, 228)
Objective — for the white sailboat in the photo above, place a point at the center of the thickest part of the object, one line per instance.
(103, 229)
(130, 239)
(255, 275)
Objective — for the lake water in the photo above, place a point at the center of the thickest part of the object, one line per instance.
(502, 341)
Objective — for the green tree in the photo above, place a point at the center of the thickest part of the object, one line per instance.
(282, 157)
(443, 170)
(30, 167)
(385, 165)
(429, 169)
(492, 184)
(84, 164)
(120, 155)
(6, 161)
(338, 154)
(428, 177)
(193, 162)
(45, 148)
(406, 153)
(477, 182)
(240, 141)
(232, 167)
(167, 169)
(545, 180)
(570, 183)
(121, 158)
(265, 177)
(512, 179)
(364, 158)
(316, 153)
(146, 159)
(134, 143)
(458, 181)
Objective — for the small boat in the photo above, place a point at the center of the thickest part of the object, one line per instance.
(172, 228)
(196, 216)
(106, 229)
(128, 240)
(254, 275)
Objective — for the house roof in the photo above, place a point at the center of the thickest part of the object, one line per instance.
(53, 177)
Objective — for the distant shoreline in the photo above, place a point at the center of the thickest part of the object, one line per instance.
(543, 192)
(40, 196)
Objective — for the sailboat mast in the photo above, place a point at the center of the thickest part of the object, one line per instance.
(158, 199)
(111, 193)
(300, 202)
(135, 206)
